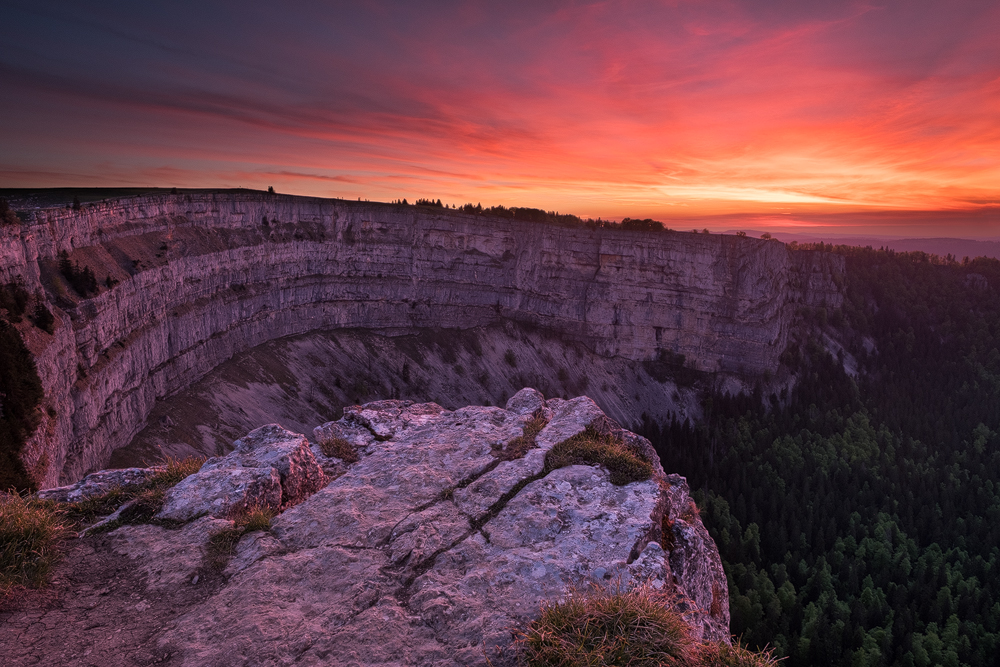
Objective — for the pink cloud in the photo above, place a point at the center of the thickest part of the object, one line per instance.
(611, 108)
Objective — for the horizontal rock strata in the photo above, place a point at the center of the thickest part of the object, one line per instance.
(189, 280)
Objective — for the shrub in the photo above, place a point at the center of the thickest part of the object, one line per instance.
(7, 216)
(43, 318)
(31, 531)
(338, 448)
(14, 298)
(82, 280)
(646, 225)
(22, 391)
(609, 626)
(591, 447)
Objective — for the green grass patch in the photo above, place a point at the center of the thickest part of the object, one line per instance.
(519, 446)
(590, 447)
(31, 532)
(335, 447)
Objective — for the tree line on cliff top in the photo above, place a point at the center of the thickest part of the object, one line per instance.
(539, 215)
(858, 518)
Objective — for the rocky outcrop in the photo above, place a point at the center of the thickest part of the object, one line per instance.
(269, 468)
(429, 549)
(189, 280)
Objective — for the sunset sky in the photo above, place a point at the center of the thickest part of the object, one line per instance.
(879, 117)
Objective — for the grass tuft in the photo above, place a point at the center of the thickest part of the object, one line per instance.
(147, 497)
(222, 545)
(31, 532)
(338, 448)
(590, 447)
(616, 626)
(175, 470)
(716, 654)
(255, 518)
(519, 446)
(610, 626)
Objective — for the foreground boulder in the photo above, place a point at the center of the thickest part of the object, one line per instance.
(431, 547)
(270, 467)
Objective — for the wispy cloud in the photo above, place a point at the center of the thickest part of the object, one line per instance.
(611, 108)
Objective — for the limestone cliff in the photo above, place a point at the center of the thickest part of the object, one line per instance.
(190, 280)
(429, 549)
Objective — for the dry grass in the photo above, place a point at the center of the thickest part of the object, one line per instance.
(590, 447)
(222, 545)
(339, 448)
(147, 497)
(609, 626)
(31, 532)
(723, 655)
(612, 626)
(519, 446)
(174, 470)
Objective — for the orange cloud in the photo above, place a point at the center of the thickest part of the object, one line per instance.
(668, 110)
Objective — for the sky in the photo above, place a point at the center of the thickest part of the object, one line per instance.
(824, 116)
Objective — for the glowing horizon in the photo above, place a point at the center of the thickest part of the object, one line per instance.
(669, 110)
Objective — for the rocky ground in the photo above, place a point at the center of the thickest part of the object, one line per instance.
(430, 549)
(101, 610)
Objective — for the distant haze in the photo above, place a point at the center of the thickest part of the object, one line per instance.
(958, 248)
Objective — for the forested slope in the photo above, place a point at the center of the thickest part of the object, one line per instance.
(859, 517)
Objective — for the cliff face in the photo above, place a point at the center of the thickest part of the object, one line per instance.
(202, 277)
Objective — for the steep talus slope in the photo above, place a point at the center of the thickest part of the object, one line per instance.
(187, 281)
(429, 549)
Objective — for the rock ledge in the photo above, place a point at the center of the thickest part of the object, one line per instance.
(429, 549)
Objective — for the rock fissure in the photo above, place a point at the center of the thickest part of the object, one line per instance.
(448, 494)
(494, 509)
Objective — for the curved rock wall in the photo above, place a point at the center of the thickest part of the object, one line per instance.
(202, 277)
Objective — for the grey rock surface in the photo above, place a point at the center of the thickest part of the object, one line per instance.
(694, 561)
(97, 483)
(270, 467)
(222, 493)
(526, 402)
(428, 550)
(288, 453)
